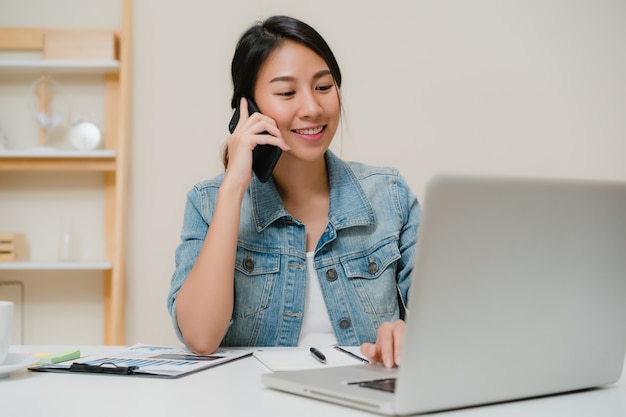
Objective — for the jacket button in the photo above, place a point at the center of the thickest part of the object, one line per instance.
(345, 323)
(248, 264)
(372, 268)
(331, 275)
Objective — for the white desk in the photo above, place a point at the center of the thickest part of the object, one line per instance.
(235, 389)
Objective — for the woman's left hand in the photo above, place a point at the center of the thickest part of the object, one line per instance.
(388, 346)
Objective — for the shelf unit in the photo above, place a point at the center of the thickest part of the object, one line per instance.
(112, 162)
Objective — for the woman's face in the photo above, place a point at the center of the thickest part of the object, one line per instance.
(296, 89)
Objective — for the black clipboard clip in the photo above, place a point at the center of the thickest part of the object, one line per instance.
(103, 368)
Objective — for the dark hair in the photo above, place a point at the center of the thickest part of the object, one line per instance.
(256, 44)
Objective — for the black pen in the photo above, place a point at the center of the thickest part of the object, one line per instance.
(318, 355)
(347, 352)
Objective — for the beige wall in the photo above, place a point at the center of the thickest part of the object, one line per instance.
(520, 87)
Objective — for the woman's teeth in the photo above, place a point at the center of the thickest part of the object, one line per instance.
(310, 131)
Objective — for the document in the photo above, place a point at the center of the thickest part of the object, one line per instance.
(292, 359)
(145, 360)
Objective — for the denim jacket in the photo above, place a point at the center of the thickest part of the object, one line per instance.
(363, 259)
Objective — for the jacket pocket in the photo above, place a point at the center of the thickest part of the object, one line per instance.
(255, 277)
(373, 276)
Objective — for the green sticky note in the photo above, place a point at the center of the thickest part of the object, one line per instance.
(66, 355)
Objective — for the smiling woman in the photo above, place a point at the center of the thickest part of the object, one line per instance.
(295, 88)
(321, 252)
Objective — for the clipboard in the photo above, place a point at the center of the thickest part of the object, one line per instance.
(145, 360)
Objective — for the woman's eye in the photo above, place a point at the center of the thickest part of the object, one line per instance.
(287, 93)
(325, 87)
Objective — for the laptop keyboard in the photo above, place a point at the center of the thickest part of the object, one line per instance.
(386, 384)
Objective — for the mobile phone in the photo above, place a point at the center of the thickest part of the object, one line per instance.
(264, 157)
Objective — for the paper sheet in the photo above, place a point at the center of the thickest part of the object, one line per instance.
(291, 359)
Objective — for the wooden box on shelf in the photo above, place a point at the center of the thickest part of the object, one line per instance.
(80, 44)
(13, 247)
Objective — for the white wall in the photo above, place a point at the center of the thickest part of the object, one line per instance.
(519, 87)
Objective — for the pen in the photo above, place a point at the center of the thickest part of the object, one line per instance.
(347, 352)
(318, 355)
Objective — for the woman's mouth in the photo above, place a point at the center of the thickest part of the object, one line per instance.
(312, 133)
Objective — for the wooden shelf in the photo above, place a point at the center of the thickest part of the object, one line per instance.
(55, 153)
(59, 66)
(53, 265)
(57, 160)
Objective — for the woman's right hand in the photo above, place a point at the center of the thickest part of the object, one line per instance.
(251, 130)
(388, 347)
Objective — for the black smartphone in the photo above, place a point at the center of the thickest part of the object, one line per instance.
(264, 157)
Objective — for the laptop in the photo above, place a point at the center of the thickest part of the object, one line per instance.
(519, 291)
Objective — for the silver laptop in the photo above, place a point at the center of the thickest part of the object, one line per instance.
(519, 291)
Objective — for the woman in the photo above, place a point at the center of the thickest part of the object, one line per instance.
(320, 252)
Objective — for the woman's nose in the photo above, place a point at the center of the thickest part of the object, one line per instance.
(309, 107)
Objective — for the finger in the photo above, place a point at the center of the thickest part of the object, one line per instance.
(398, 341)
(385, 342)
(265, 139)
(260, 124)
(370, 351)
(241, 114)
(243, 108)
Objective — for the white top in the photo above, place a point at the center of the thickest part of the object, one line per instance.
(317, 329)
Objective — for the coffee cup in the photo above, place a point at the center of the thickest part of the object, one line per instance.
(6, 320)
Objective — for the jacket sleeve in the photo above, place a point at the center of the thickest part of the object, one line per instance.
(192, 236)
(411, 212)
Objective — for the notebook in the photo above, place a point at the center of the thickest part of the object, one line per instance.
(519, 291)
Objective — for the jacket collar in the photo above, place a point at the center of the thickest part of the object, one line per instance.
(349, 206)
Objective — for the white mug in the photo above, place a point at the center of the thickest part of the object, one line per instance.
(6, 320)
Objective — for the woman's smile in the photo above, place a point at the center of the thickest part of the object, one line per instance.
(311, 133)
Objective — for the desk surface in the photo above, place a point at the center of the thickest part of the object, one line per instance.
(235, 389)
